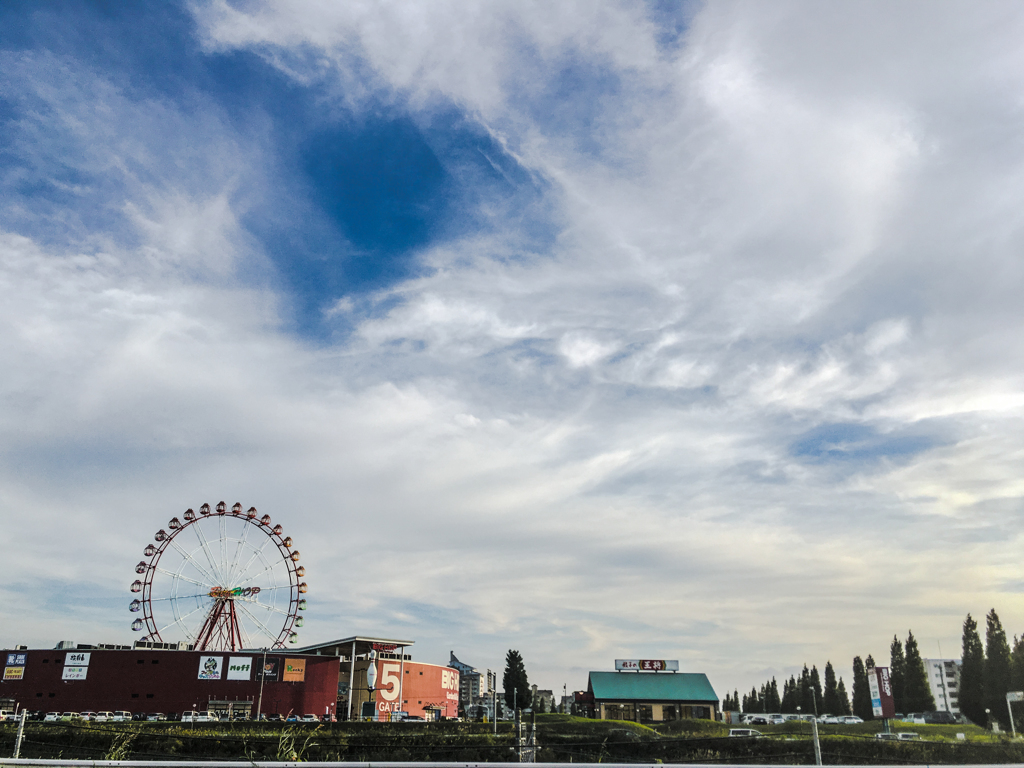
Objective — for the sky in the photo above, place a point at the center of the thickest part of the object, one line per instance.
(590, 329)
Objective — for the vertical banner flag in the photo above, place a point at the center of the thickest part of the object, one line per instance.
(882, 703)
(210, 667)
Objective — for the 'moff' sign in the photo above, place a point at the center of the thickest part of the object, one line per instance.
(647, 665)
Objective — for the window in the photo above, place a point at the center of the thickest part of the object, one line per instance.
(135, 695)
(46, 661)
(140, 661)
(52, 695)
(155, 661)
(39, 695)
(149, 695)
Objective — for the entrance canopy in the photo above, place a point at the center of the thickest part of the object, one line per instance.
(356, 646)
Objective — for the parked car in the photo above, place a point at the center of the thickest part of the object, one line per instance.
(758, 720)
(88, 716)
(68, 716)
(828, 720)
(203, 716)
(940, 718)
(51, 717)
(122, 716)
(103, 717)
(274, 718)
(292, 719)
(907, 736)
(914, 717)
(887, 736)
(333, 719)
(744, 732)
(851, 720)
(309, 719)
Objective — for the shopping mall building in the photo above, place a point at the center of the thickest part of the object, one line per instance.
(325, 679)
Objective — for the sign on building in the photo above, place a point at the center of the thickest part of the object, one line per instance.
(76, 666)
(239, 667)
(294, 670)
(210, 667)
(77, 659)
(268, 670)
(647, 665)
(882, 703)
(14, 673)
(17, 659)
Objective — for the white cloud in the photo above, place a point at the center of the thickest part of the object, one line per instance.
(800, 217)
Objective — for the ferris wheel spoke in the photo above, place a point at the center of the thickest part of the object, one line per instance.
(177, 597)
(263, 626)
(187, 559)
(255, 554)
(270, 567)
(206, 551)
(180, 619)
(238, 551)
(273, 608)
(174, 575)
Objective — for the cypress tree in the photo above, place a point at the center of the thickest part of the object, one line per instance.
(918, 692)
(897, 675)
(1017, 664)
(997, 668)
(816, 690)
(806, 697)
(972, 674)
(844, 700)
(774, 703)
(830, 697)
(861, 690)
(789, 696)
(518, 694)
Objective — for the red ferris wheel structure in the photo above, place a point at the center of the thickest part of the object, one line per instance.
(221, 580)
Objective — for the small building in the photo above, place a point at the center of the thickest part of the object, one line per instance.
(645, 697)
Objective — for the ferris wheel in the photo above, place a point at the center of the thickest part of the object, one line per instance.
(220, 580)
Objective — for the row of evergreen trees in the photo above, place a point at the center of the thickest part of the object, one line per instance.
(804, 693)
(988, 672)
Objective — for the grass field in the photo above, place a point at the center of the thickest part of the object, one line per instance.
(561, 738)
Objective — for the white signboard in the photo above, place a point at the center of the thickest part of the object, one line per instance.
(1015, 696)
(74, 673)
(239, 667)
(77, 659)
(647, 665)
(210, 667)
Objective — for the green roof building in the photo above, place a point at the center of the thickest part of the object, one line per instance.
(652, 696)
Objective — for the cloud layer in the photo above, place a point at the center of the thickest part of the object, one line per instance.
(582, 329)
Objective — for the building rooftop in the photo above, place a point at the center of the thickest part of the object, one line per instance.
(647, 686)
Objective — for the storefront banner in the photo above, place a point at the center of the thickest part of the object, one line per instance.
(647, 665)
(269, 671)
(210, 667)
(74, 673)
(77, 659)
(239, 667)
(17, 659)
(879, 684)
(14, 673)
(294, 670)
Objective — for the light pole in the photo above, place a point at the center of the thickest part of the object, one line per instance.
(263, 676)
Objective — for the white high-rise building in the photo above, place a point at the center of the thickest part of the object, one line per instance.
(944, 680)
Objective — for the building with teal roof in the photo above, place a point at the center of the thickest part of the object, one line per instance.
(651, 696)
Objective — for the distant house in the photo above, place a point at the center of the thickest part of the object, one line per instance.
(651, 697)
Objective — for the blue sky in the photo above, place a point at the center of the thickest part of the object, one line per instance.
(687, 316)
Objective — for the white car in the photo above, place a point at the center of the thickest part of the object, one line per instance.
(204, 716)
(103, 717)
(744, 732)
(88, 716)
(121, 716)
(776, 720)
(51, 717)
(851, 720)
(309, 719)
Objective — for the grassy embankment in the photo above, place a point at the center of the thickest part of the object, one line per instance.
(562, 739)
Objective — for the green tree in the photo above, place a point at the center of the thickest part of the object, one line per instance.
(861, 690)
(773, 701)
(830, 697)
(997, 668)
(789, 696)
(897, 675)
(1017, 664)
(518, 694)
(972, 674)
(815, 681)
(844, 700)
(917, 690)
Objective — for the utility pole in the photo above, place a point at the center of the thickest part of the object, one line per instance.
(519, 734)
(21, 733)
(263, 676)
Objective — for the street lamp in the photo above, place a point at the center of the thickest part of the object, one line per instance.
(371, 681)
(263, 676)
